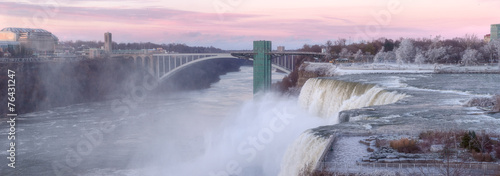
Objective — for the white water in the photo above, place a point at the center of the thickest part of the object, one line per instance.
(219, 131)
(254, 141)
(308, 148)
(326, 98)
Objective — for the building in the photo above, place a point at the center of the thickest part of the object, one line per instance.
(108, 42)
(32, 41)
(487, 38)
(94, 53)
(9, 47)
(281, 48)
(495, 31)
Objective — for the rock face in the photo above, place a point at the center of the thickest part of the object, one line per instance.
(43, 85)
(313, 70)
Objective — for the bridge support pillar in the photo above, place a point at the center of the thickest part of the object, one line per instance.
(262, 66)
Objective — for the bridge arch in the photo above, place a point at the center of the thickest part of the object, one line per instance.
(139, 61)
(147, 62)
(185, 65)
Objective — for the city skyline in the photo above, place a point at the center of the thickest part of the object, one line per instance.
(234, 24)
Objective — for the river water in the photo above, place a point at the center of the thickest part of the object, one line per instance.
(217, 131)
(224, 130)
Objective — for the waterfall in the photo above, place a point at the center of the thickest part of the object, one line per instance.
(302, 156)
(325, 98)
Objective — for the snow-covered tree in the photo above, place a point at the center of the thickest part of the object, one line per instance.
(358, 55)
(435, 53)
(405, 52)
(420, 58)
(390, 56)
(344, 53)
(470, 56)
(379, 56)
(496, 45)
(328, 50)
(489, 51)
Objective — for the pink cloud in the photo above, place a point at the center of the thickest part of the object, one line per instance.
(292, 26)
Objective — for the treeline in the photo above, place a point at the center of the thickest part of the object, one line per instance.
(467, 50)
(172, 47)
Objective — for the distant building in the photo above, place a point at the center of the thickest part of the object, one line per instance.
(495, 31)
(38, 41)
(108, 42)
(487, 38)
(281, 48)
(95, 53)
(9, 47)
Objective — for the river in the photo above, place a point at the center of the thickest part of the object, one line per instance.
(224, 130)
(186, 133)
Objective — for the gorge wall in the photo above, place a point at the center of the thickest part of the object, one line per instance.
(43, 85)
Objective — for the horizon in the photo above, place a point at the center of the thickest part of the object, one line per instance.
(234, 24)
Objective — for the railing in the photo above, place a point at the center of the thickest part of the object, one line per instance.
(412, 168)
(429, 168)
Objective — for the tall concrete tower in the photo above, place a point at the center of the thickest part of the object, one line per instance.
(495, 32)
(261, 66)
(108, 42)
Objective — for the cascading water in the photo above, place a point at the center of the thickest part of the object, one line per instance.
(308, 147)
(325, 98)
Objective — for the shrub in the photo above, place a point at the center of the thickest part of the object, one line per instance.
(466, 140)
(482, 157)
(405, 145)
(370, 149)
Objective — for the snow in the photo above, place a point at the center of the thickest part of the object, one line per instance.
(383, 68)
(349, 69)
(327, 69)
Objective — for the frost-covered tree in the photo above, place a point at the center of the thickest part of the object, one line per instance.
(489, 50)
(390, 56)
(379, 56)
(435, 53)
(420, 59)
(358, 55)
(496, 46)
(406, 52)
(470, 56)
(328, 50)
(344, 53)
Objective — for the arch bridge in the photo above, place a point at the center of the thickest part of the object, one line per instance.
(163, 66)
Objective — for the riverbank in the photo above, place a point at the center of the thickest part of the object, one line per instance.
(435, 102)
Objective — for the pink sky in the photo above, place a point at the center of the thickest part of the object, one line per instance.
(234, 24)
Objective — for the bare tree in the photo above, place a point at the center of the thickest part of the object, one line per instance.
(470, 41)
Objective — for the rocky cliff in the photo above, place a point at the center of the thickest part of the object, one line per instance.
(44, 85)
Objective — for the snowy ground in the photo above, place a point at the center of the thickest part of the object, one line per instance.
(346, 69)
(347, 152)
(435, 102)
